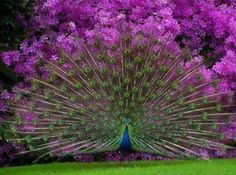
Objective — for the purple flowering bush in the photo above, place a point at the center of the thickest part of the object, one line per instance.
(56, 22)
(207, 27)
(8, 150)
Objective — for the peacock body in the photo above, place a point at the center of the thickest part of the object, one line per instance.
(131, 95)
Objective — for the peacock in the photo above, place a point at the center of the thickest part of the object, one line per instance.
(128, 96)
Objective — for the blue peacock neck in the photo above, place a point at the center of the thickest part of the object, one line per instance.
(125, 145)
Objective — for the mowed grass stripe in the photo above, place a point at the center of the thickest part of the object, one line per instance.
(173, 167)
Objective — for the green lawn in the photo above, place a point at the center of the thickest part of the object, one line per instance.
(186, 167)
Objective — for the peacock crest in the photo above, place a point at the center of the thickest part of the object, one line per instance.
(93, 100)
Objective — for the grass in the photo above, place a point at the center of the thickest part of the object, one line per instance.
(173, 167)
